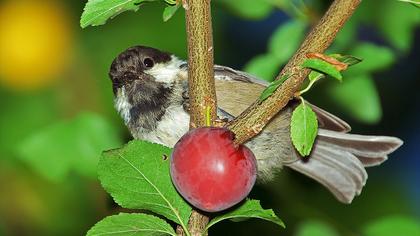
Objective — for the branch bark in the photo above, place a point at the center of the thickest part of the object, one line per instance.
(255, 117)
(202, 91)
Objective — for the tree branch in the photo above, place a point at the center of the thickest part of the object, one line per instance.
(255, 117)
(202, 91)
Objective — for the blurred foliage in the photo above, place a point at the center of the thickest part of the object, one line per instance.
(57, 113)
(283, 43)
(315, 228)
(393, 225)
(72, 145)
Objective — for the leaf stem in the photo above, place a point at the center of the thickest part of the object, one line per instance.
(311, 83)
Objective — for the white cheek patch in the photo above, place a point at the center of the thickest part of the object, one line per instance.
(122, 105)
(166, 72)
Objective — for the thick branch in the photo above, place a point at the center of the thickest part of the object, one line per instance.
(202, 91)
(254, 118)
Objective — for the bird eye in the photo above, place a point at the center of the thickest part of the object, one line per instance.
(148, 62)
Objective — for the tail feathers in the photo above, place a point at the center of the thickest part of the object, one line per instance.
(365, 146)
(372, 161)
(338, 161)
(339, 171)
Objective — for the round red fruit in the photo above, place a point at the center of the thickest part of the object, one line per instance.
(210, 171)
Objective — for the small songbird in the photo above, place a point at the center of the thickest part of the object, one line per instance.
(151, 95)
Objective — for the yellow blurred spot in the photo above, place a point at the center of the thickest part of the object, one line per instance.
(35, 41)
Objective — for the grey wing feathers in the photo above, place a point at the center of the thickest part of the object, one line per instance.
(224, 71)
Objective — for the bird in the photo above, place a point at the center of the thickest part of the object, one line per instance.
(150, 89)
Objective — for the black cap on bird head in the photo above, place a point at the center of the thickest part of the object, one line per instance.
(133, 62)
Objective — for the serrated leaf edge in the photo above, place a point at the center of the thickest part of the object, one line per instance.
(305, 133)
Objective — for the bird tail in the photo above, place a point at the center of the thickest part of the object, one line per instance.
(338, 161)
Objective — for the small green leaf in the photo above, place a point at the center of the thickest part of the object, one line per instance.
(393, 225)
(322, 66)
(304, 128)
(358, 98)
(347, 59)
(97, 12)
(249, 209)
(272, 87)
(137, 177)
(316, 228)
(169, 11)
(131, 224)
(286, 40)
(264, 66)
(71, 145)
(374, 57)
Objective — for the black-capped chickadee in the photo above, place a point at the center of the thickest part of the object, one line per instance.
(151, 95)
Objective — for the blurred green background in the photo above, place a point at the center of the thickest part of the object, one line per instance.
(57, 110)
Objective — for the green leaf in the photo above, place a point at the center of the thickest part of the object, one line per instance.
(137, 177)
(248, 8)
(315, 228)
(72, 145)
(169, 11)
(249, 209)
(322, 66)
(304, 128)
(347, 59)
(286, 40)
(131, 224)
(358, 98)
(374, 57)
(272, 87)
(393, 225)
(263, 66)
(97, 12)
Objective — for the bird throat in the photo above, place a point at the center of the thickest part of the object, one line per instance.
(142, 105)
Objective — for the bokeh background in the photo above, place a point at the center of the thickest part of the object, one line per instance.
(57, 110)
